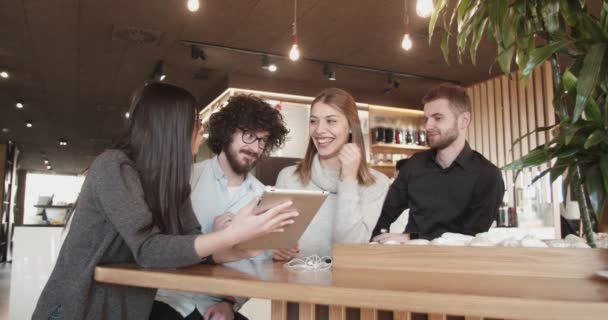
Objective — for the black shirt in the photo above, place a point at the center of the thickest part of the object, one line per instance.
(463, 198)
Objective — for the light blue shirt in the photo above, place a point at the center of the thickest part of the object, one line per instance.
(210, 198)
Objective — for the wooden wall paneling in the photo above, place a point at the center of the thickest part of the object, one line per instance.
(278, 310)
(368, 314)
(477, 123)
(523, 123)
(306, 311)
(549, 120)
(491, 125)
(435, 316)
(471, 129)
(531, 116)
(514, 117)
(483, 104)
(506, 104)
(401, 315)
(500, 127)
(337, 313)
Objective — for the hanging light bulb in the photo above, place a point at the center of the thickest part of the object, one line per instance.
(193, 5)
(406, 43)
(424, 8)
(294, 53)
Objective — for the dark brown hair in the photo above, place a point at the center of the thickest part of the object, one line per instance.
(345, 104)
(246, 112)
(456, 96)
(158, 140)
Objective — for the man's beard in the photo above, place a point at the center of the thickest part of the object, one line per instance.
(446, 139)
(241, 168)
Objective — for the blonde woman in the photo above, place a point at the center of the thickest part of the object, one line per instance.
(335, 162)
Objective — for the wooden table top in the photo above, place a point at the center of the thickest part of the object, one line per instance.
(433, 292)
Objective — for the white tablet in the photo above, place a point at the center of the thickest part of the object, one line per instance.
(306, 202)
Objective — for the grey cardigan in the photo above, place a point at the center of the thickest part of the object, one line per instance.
(109, 226)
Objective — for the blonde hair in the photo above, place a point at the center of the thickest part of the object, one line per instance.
(343, 102)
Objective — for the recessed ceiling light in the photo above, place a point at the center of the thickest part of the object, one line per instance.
(48, 167)
(29, 124)
(63, 142)
(127, 115)
(46, 161)
(193, 5)
(19, 104)
(4, 74)
(6, 130)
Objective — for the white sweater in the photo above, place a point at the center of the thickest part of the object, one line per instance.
(348, 215)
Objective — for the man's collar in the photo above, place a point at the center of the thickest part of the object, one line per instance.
(463, 159)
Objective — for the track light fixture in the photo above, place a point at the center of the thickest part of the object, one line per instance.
(329, 72)
(4, 74)
(63, 142)
(197, 52)
(392, 84)
(158, 73)
(19, 104)
(266, 65)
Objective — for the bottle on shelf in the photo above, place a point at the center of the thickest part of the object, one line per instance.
(378, 130)
(389, 132)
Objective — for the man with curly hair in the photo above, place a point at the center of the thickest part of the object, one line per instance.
(240, 134)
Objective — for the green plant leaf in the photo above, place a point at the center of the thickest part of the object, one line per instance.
(595, 189)
(438, 7)
(604, 16)
(588, 78)
(570, 12)
(557, 171)
(477, 33)
(505, 58)
(534, 158)
(593, 112)
(550, 14)
(604, 169)
(596, 137)
(463, 9)
(592, 28)
(540, 175)
(541, 54)
(569, 81)
(497, 11)
(537, 130)
(445, 47)
(567, 151)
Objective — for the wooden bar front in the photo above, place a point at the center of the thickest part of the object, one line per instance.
(506, 283)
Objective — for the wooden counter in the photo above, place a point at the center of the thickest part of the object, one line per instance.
(354, 283)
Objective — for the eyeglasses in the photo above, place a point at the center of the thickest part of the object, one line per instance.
(249, 137)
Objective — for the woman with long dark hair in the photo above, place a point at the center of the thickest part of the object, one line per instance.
(134, 207)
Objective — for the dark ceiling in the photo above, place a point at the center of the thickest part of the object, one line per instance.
(75, 63)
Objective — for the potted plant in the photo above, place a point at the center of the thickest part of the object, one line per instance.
(563, 31)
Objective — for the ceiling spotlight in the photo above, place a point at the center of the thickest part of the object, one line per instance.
(6, 130)
(392, 84)
(424, 8)
(4, 74)
(158, 73)
(63, 142)
(48, 167)
(193, 5)
(294, 53)
(329, 72)
(19, 104)
(29, 124)
(196, 52)
(46, 161)
(266, 65)
(127, 115)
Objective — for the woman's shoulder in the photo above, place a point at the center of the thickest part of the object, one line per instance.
(288, 177)
(110, 160)
(382, 181)
(379, 176)
(289, 171)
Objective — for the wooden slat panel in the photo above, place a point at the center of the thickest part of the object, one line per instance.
(306, 311)
(485, 129)
(471, 129)
(477, 122)
(492, 123)
(500, 128)
(550, 119)
(514, 116)
(434, 316)
(506, 104)
(278, 310)
(400, 315)
(337, 313)
(531, 117)
(369, 314)
(523, 123)
(473, 318)
(539, 103)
